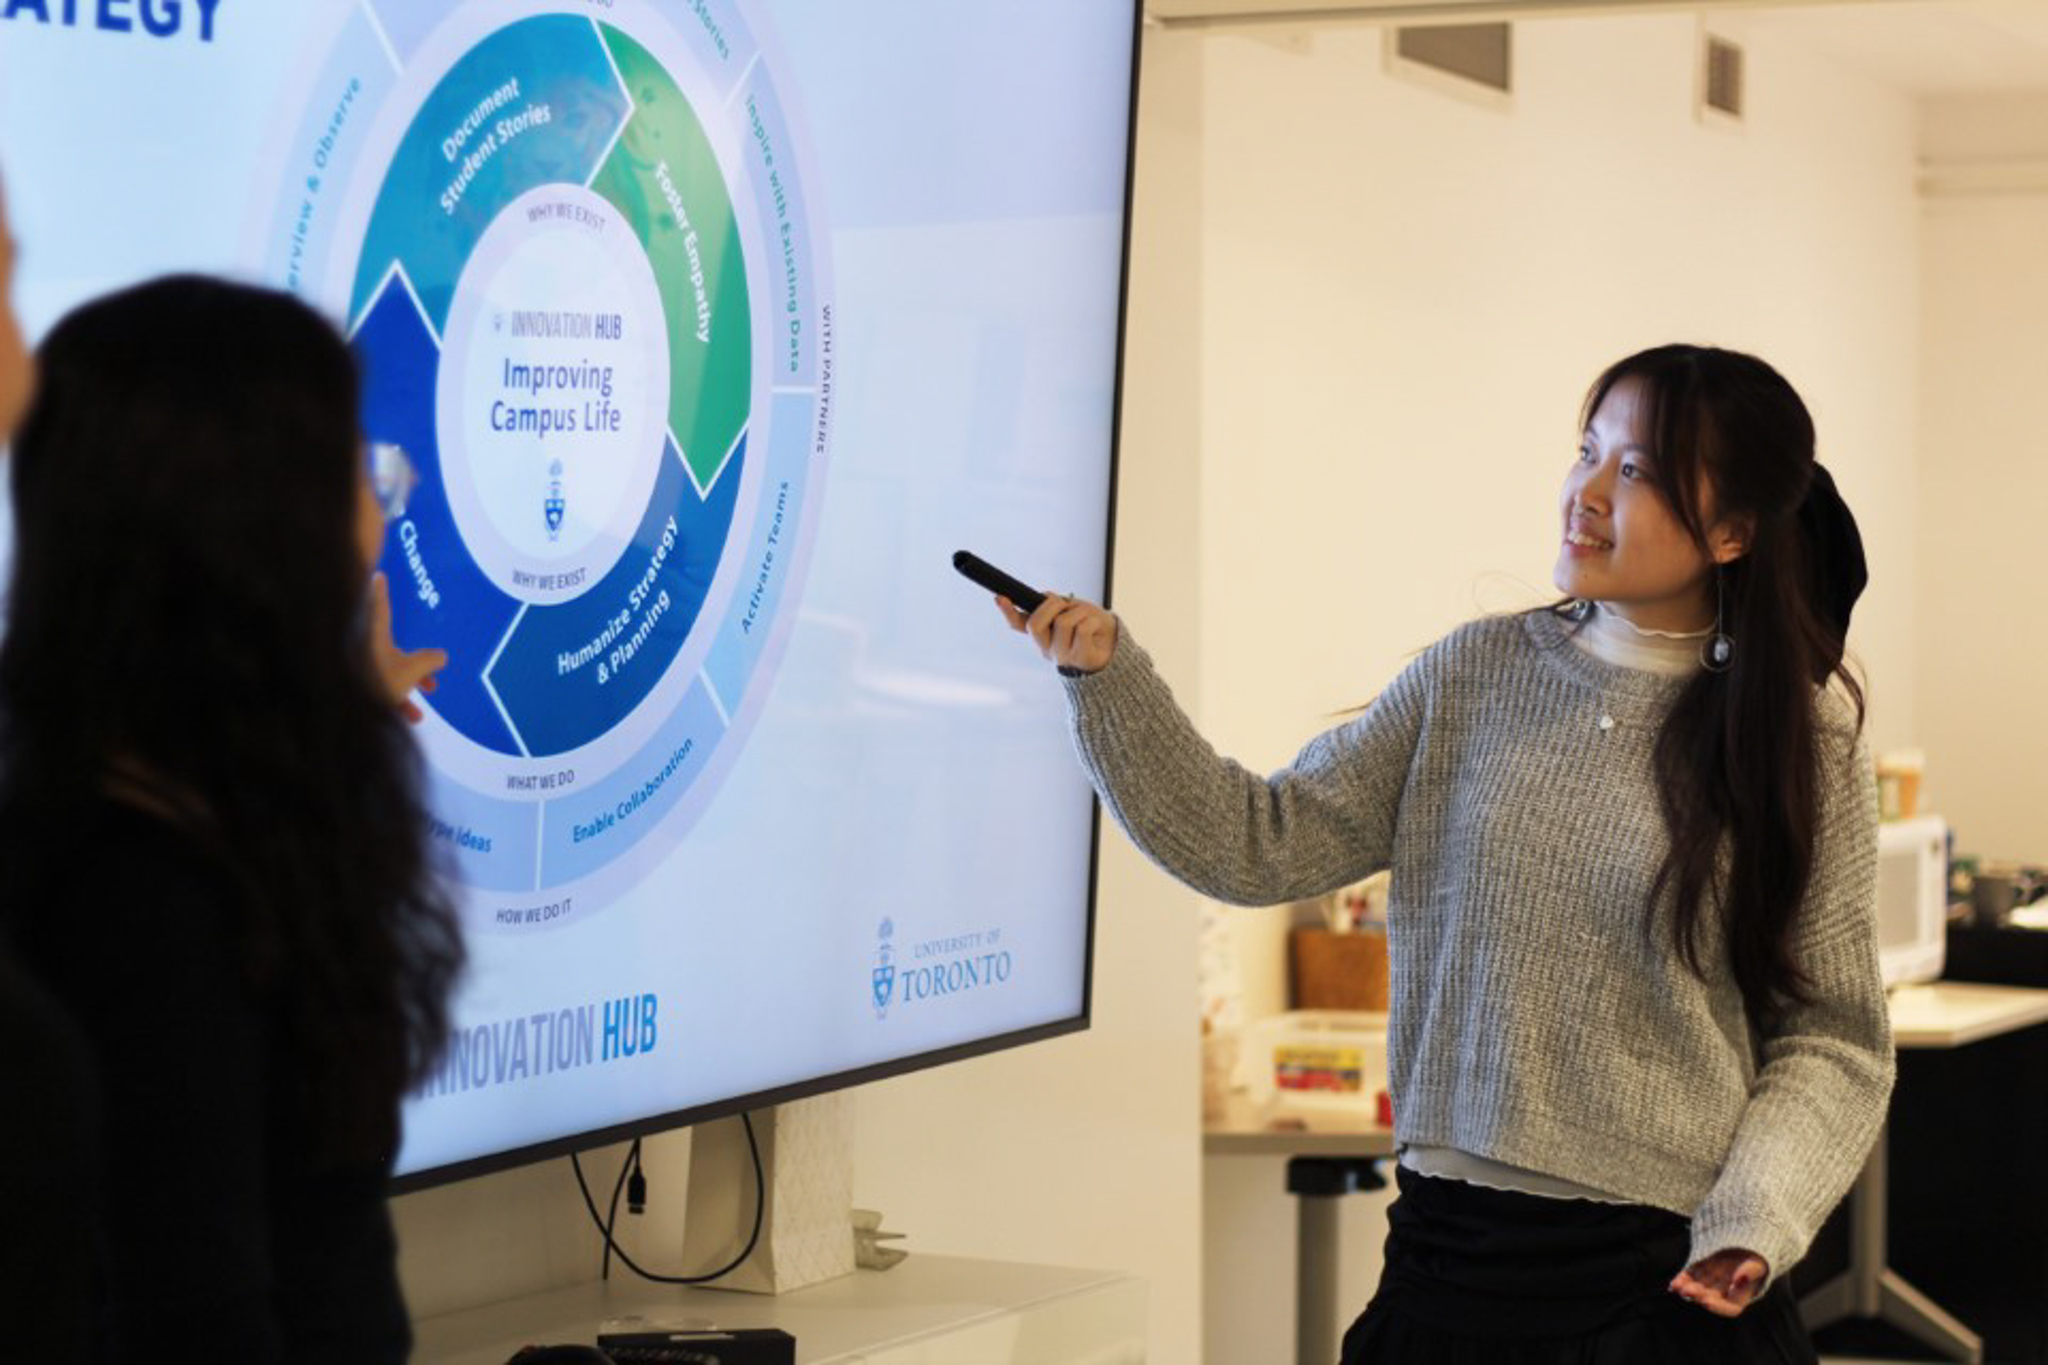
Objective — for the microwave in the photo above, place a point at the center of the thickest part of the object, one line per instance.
(1912, 898)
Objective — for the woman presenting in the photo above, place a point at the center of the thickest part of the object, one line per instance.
(1638, 1045)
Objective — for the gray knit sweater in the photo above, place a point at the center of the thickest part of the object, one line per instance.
(1506, 778)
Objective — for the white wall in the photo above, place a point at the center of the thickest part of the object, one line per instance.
(1984, 472)
(1404, 298)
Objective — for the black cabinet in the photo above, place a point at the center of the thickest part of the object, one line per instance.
(1969, 1161)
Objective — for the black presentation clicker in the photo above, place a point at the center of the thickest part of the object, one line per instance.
(1025, 599)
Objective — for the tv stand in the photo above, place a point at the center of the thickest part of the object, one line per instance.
(966, 1312)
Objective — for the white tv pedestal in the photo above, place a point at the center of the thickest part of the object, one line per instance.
(928, 1310)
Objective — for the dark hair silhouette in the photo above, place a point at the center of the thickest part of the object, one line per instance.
(1738, 757)
(186, 631)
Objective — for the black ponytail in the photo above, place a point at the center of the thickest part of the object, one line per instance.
(1835, 557)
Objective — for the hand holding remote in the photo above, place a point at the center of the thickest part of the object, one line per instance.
(1077, 635)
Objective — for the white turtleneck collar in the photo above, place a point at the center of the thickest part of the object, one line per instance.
(1612, 638)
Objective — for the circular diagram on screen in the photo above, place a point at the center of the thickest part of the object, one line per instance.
(589, 293)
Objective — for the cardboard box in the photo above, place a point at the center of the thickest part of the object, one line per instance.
(1333, 971)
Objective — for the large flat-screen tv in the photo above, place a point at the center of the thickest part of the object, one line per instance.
(707, 330)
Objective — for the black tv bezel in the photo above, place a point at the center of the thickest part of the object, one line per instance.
(430, 1177)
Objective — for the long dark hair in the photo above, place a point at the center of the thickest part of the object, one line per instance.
(186, 628)
(1739, 755)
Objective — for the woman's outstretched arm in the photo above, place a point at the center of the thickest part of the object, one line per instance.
(1325, 820)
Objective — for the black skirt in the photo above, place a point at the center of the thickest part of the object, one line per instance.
(1493, 1277)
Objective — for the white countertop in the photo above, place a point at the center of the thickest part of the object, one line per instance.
(1244, 1129)
(1952, 1013)
(866, 1316)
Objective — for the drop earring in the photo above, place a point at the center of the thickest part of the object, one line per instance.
(1718, 654)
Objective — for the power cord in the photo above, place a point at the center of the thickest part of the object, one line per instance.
(636, 1185)
(604, 1227)
(635, 1205)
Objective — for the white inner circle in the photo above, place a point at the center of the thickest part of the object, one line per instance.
(553, 395)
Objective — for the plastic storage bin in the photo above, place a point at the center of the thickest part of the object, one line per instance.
(1315, 1059)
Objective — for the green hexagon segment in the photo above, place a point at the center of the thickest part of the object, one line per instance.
(665, 178)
